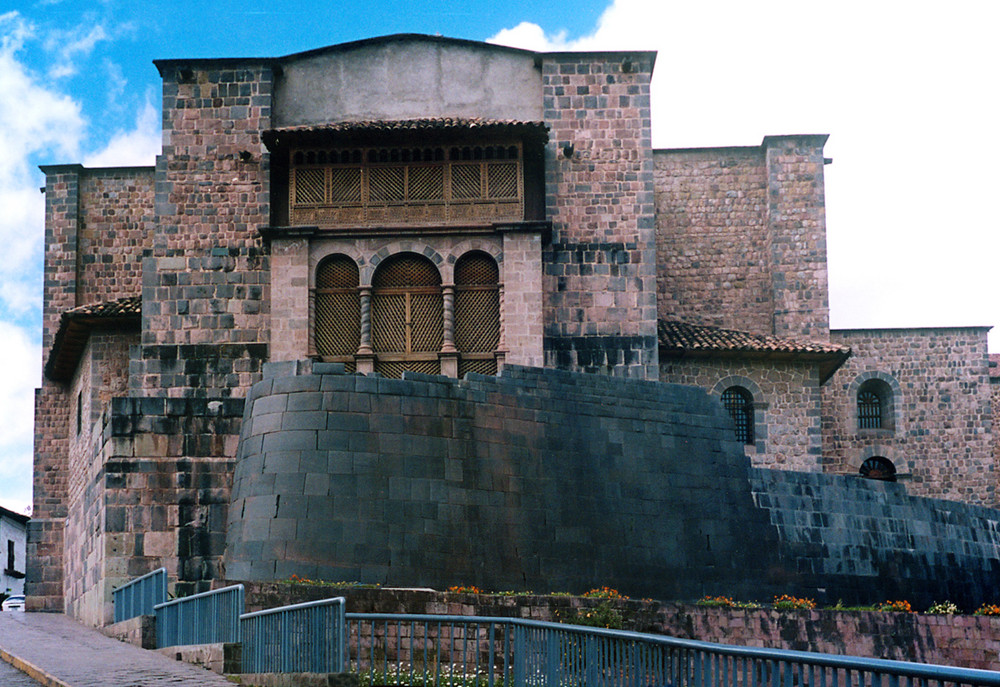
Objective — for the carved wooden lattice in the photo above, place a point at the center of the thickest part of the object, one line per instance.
(407, 316)
(337, 330)
(483, 366)
(477, 313)
(395, 369)
(376, 186)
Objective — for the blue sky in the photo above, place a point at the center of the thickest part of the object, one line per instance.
(905, 89)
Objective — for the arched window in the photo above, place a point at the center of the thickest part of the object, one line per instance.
(878, 467)
(337, 318)
(874, 405)
(477, 313)
(739, 402)
(406, 315)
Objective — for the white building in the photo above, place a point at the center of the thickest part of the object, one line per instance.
(13, 531)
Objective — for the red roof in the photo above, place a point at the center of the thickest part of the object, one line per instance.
(74, 330)
(681, 339)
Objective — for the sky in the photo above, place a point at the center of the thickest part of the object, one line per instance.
(906, 91)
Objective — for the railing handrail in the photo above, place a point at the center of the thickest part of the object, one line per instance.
(140, 595)
(881, 665)
(200, 595)
(305, 637)
(294, 607)
(137, 580)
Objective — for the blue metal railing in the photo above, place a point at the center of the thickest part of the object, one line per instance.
(486, 652)
(140, 596)
(206, 618)
(475, 651)
(302, 638)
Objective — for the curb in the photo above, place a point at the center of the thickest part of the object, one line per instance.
(31, 671)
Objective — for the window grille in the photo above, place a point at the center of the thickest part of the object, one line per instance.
(477, 313)
(376, 186)
(869, 409)
(337, 310)
(407, 316)
(878, 467)
(739, 403)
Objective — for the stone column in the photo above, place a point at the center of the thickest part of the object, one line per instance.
(501, 352)
(449, 354)
(365, 355)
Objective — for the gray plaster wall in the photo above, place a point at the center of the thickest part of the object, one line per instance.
(537, 479)
(408, 77)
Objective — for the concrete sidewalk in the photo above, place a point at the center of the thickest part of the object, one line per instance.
(59, 652)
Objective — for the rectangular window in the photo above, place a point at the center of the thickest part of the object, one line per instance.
(79, 412)
(10, 555)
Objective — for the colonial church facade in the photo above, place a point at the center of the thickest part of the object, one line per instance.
(439, 206)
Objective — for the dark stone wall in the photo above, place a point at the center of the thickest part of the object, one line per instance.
(554, 480)
(865, 541)
(538, 479)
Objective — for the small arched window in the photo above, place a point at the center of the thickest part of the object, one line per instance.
(337, 318)
(879, 468)
(874, 405)
(477, 313)
(739, 403)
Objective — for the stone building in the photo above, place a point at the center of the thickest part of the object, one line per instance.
(438, 206)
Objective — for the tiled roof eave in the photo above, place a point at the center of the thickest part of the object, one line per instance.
(275, 138)
(74, 330)
(750, 353)
(683, 340)
(828, 362)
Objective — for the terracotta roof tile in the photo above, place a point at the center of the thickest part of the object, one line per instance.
(424, 125)
(130, 305)
(681, 339)
(74, 330)
(693, 337)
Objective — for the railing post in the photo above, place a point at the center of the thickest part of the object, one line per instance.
(520, 655)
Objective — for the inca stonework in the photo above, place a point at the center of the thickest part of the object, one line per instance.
(475, 249)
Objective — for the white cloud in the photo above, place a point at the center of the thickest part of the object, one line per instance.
(530, 37)
(71, 45)
(20, 368)
(116, 83)
(137, 147)
(33, 119)
(905, 92)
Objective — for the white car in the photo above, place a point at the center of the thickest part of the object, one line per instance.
(13, 603)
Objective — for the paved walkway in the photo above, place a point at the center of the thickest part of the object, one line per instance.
(59, 652)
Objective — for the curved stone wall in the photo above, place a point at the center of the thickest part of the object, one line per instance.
(537, 479)
(547, 480)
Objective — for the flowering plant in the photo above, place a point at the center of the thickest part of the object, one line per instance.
(901, 606)
(604, 593)
(793, 603)
(715, 602)
(943, 608)
(988, 609)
